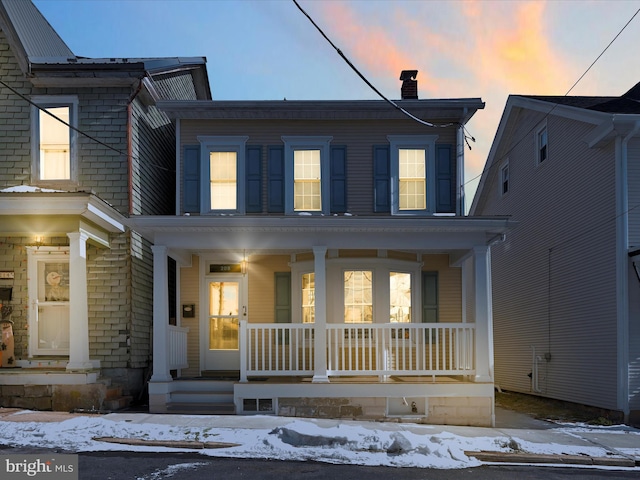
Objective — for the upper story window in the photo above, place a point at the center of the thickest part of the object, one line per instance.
(307, 181)
(413, 174)
(541, 145)
(307, 174)
(223, 164)
(504, 178)
(54, 154)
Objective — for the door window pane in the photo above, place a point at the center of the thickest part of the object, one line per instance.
(223, 315)
(223, 167)
(358, 296)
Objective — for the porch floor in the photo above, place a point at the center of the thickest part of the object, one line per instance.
(392, 379)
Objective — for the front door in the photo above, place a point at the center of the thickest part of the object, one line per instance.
(48, 301)
(226, 305)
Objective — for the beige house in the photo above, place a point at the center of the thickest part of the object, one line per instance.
(322, 264)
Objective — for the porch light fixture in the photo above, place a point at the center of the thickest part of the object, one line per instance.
(39, 241)
(243, 264)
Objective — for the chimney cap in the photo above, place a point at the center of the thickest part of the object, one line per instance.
(408, 75)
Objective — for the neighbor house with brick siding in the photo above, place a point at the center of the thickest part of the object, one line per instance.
(320, 263)
(82, 147)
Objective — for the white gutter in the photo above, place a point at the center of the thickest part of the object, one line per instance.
(622, 264)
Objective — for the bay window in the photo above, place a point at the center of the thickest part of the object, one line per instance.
(358, 296)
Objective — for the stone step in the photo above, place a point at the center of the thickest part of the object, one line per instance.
(202, 397)
(118, 403)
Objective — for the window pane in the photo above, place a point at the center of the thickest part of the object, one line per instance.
(223, 180)
(358, 297)
(400, 297)
(308, 298)
(55, 145)
(306, 180)
(412, 179)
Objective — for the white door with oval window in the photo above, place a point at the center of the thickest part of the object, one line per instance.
(220, 329)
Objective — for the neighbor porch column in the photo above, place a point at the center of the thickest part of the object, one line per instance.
(483, 314)
(161, 371)
(78, 305)
(320, 327)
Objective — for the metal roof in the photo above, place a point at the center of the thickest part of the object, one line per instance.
(37, 36)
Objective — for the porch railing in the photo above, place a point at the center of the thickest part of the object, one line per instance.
(376, 349)
(178, 347)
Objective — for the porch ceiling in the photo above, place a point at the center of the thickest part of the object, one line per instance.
(286, 233)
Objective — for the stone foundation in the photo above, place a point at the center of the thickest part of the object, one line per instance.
(64, 398)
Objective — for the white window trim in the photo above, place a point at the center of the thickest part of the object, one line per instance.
(501, 191)
(381, 268)
(210, 144)
(322, 143)
(536, 145)
(428, 143)
(46, 101)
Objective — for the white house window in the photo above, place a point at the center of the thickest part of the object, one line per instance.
(399, 297)
(504, 179)
(223, 168)
(307, 174)
(223, 164)
(53, 141)
(358, 296)
(308, 298)
(413, 182)
(542, 146)
(412, 179)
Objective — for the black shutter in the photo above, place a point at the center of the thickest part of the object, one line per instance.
(381, 179)
(338, 179)
(191, 179)
(253, 172)
(275, 179)
(445, 179)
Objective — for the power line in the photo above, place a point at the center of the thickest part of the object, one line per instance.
(556, 104)
(365, 80)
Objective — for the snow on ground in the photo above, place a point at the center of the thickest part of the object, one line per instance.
(295, 439)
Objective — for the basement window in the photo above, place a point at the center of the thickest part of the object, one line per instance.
(262, 405)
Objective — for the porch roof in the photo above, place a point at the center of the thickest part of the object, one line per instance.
(295, 232)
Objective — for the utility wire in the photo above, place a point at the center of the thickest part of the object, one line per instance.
(365, 80)
(75, 129)
(556, 104)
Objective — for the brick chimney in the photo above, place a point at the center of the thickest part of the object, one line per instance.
(409, 90)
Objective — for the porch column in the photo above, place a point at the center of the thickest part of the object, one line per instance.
(78, 305)
(483, 314)
(320, 327)
(160, 315)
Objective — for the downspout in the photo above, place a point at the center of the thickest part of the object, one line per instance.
(460, 197)
(622, 247)
(130, 142)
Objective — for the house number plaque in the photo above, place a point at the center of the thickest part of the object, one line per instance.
(225, 268)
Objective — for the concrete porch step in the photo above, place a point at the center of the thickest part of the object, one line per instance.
(222, 397)
(118, 403)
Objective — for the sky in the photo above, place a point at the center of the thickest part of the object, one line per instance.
(282, 438)
(268, 50)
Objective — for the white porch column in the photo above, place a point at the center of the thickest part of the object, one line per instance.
(320, 339)
(483, 313)
(160, 315)
(78, 305)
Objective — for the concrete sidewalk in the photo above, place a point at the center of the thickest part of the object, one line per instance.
(514, 426)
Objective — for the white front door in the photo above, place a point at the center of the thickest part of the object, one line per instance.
(48, 301)
(225, 305)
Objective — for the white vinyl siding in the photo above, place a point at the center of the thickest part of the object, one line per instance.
(554, 283)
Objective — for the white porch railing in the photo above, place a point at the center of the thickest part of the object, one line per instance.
(276, 349)
(376, 349)
(178, 347)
